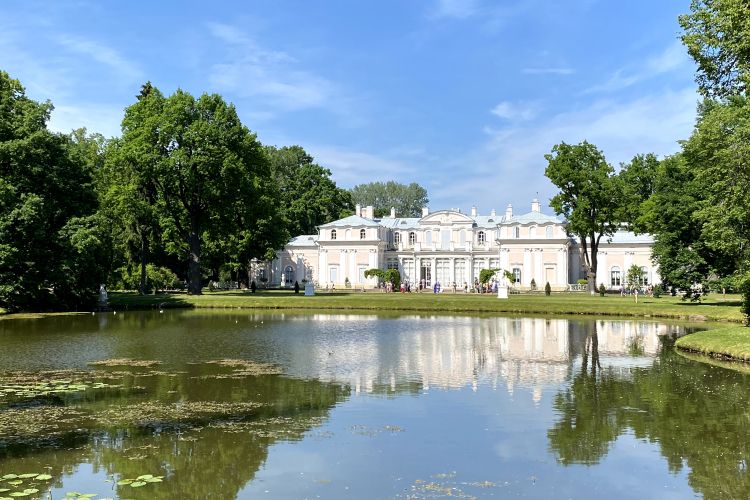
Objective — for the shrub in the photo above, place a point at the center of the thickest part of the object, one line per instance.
(533, 284)
(547, 289)
(253, 286)
(743, 284)
(582, 282)
(296, 287)
(658, 290)
(602, 290)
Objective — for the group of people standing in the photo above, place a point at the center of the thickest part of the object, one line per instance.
(423, 286)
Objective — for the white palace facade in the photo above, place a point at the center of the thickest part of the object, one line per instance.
(449, 246)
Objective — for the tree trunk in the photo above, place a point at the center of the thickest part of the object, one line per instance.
(144, 261)
(194, 264)
(591, 276)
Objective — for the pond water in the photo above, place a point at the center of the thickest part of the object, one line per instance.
(191, 404)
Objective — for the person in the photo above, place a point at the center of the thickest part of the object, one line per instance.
(466, 287)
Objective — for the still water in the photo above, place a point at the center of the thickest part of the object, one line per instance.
(190, 404)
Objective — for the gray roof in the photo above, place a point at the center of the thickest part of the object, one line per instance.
(352, 221)
(400, 222)
(304, 240)
(488, 221)
(533, 218)
(623, 237)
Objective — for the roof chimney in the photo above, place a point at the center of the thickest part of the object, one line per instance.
(493, 213)
(474, 211)
(425, 211)
(509, 212)
(358, 210)
(393, 212)
(536, 206)
(369, 212)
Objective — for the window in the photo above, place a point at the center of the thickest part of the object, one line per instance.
(517, 275)
(396, 238)
(516, 232)
(289, 274)
(391, 264)
(480, 238)
(428, 237)
(412, 238)
(616, 277)
(532, 232)
(333, 234)
(644, 276)
(549, 232)
(462, 238)
(362, 234)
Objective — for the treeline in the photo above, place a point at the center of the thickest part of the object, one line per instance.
(695, 203)
(187, 193)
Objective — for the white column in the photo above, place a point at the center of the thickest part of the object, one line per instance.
(453, 270)
(527, 268)
(323, 276)
(505, 259)
(602, 271)
(433, 271)
(562, 268)
(353, 275)
(538, 268)
(627, 263)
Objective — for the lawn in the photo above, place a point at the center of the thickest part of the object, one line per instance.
(732, 342)
(714, 308)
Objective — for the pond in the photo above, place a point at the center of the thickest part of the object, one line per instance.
(192, 404)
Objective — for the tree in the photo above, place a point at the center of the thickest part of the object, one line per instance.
(309, 196)
(589, 198)
(485, 275)
(717, 36)
(408, 200)
(50, 247)
(210, 176)
(637, 180)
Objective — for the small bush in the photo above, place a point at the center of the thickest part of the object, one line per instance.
(582, 282)
(296, 287)
(253, 286)
(658, 290)
(533, 284)
(547, 289)
(602, 290)
(743, 284)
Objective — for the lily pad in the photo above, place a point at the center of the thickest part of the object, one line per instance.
(43, 477)
(138, 484)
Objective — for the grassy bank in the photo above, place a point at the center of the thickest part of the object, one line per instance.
(732, 342)
(715, 308)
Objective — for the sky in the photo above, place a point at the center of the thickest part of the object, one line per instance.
(464, 97)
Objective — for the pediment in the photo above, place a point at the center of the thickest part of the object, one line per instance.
(446, 217)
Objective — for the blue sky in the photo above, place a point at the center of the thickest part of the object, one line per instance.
(463, 97)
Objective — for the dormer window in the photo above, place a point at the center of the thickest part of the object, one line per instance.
(333, 234)
(549, 232)
(481, 238)
(362, 234)
(412, 238)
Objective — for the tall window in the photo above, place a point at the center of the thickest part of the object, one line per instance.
(517, 275)
(289, 274)
(412, 238)
(481, 238)
(428, 237)
(616, 277)
(532, 232)
(362, 234)
(396, 238)
(549, 232)
(516, 232)
(644, 276)
(333, 234)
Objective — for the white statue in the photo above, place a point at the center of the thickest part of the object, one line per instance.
(502, 286)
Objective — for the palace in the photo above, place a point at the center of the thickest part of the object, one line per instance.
(449, 247)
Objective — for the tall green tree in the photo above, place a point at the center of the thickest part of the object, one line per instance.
(50, 245)
(717, 36)
(638, 179)
(590, 198)
(209, 173)
(408, 200)
(309, 196)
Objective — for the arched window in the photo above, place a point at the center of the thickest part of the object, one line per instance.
(362, 234)
(549, 232)
(616, 276)
(532, 232)
(428, 237)
(516, 232)
(333, 234)
(462, 237)
(481, 238)
(412, 238)
(644, 276)
(396, 238)
(517, 275)
(289, 274)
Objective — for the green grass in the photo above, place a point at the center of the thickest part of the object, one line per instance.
(714, 308)
(732, 342)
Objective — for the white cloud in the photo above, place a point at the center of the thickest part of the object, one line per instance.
(255, 72)
(520, 111)
(355, 167)
(548, 71)
(102, 118)
(103, 55)
(670, 59)
(509, 166)
(457, 9)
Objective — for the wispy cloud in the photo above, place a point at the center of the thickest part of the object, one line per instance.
(104, 55)
(548, 71)
(252, 71)
(516, 111)
(670, 59)
(351, 167)
(456, 9)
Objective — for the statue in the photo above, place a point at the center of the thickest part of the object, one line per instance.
(103, 299)
(502, 286)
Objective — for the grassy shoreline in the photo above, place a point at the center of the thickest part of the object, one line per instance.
(731, 343)
(716, 308)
